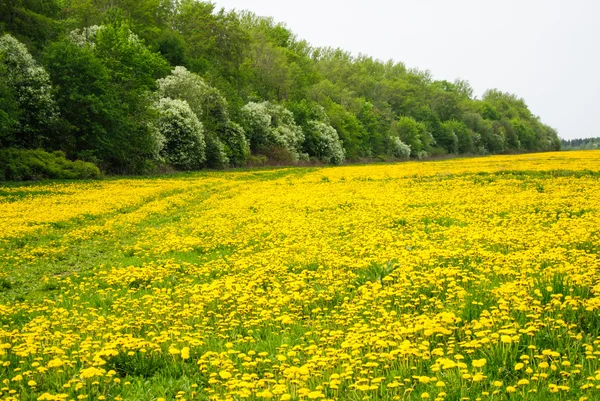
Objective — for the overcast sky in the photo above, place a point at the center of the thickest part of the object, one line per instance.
(545, 51)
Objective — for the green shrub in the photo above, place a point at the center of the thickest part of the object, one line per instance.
(256, 161)
(280, 155)
(20, 164)
(438, 151)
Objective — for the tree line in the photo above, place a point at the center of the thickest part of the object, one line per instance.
(581, 143)
(134, 84)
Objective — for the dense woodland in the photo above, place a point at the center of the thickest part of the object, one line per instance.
(132, 85)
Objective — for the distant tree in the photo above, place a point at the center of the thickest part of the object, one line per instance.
(270, 69)
(133, 66)
(216, 44)
(445, 102)
(376, 124)
(348, 127)
(506, 105)
(512, 141)
(147, 18)
(481, 131)
(525, 134)
(580, 143)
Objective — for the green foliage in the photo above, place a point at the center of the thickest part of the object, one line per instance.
(348, 127)
(133, 66)
(446, 138)
(110, 122)
(480, 129)
(32, 21)
(9, 108)
(464, 140)
(216, 154)
(414, 134)
(237, 147)
(321, 139)
(109, 61)
(172, 47)
(215, 42)
(20, 164)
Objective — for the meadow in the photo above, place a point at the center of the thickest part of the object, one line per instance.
(465, 279)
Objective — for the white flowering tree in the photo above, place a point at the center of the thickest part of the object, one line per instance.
(184, 145)
(399, 149)
(269, 126)
(257, 124)
(85, 36)
(30, 88)
(325, 142)
(211, 109)
(185, 85)
(321, 139)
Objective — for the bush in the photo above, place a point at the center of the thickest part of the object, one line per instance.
(185, 146)
(463, 136)
(279, 155)
(414, 134)
(236, 144)
(257, 125)
(216, 154)
(185, 85)
(446, 138)
(19, 165)
(29, 87)
(323, 142)
(256, 161)
(269, 125)
(437, 151)
(399, 149)
(225, 140)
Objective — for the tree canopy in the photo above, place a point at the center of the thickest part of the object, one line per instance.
(116, 82)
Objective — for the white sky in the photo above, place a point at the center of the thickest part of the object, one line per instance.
(546, 51)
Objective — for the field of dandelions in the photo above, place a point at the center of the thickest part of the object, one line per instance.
(467, 279)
